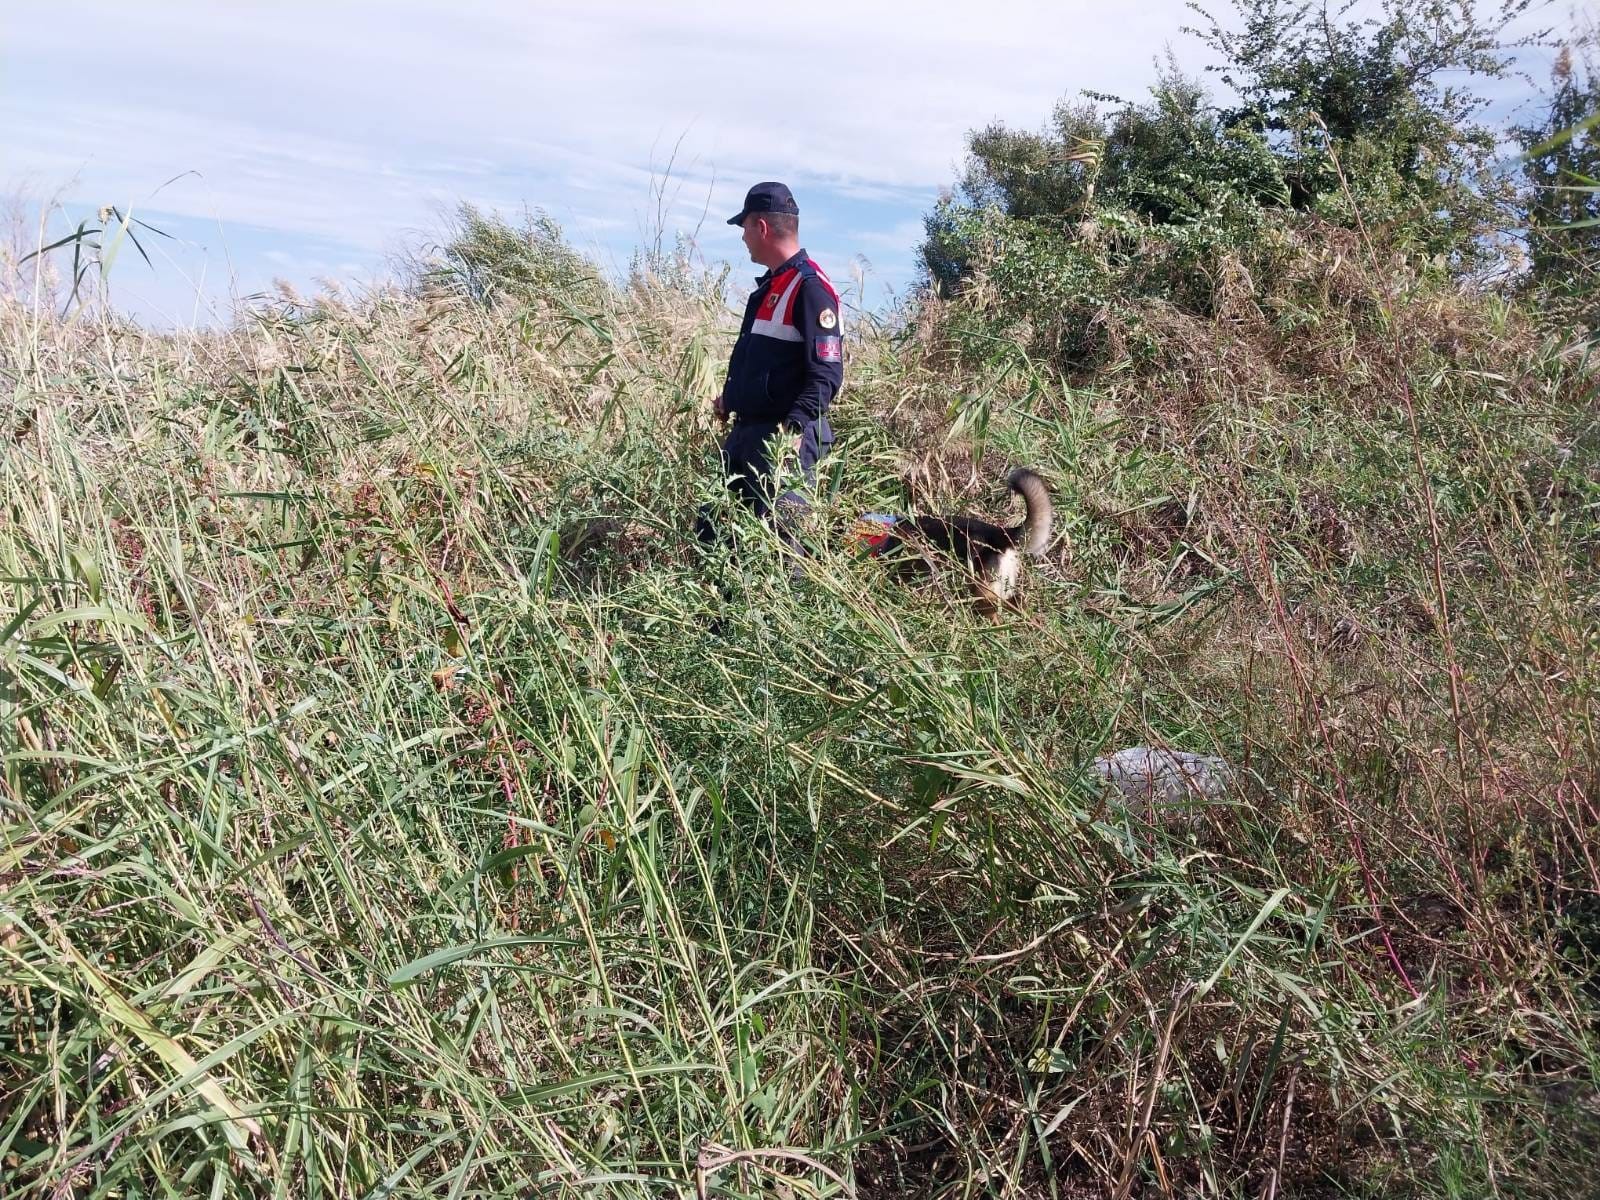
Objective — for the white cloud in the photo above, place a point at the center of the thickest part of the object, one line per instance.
(293, 107)
(902, 233)
(354, 122)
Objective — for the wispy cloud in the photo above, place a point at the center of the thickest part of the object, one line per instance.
(354, 122)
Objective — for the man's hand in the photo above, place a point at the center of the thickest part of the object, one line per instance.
(717, 408)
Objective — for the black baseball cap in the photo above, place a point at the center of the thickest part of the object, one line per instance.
(766, 197)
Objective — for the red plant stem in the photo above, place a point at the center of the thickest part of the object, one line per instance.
(1359, 846)
(1435, 542)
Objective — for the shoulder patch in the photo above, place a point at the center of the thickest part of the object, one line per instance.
(827, 319)
(829, 349)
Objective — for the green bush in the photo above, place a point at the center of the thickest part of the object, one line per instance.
(489, 259)
(1562, 170)
(1065, 234)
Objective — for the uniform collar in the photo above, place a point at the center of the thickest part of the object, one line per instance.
(794, 259)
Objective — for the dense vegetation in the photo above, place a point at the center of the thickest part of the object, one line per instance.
(396, 801)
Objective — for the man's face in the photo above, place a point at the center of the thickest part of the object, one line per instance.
(755, 235)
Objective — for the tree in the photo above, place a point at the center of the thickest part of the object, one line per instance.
(1166, 162)
(1562, 167)
(1393, 98)
(1388, 100)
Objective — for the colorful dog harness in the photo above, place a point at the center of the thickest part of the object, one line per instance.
(873, 530)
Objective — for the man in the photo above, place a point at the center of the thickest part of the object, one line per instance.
(788, 363)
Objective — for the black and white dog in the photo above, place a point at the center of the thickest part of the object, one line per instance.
(991, 553)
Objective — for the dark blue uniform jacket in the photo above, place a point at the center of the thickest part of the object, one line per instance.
(789, 360)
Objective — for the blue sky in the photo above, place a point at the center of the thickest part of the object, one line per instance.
(316, 140)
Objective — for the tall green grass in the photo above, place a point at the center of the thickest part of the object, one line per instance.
(397, 802)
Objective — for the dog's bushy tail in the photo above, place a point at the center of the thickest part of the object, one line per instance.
(1033, 535)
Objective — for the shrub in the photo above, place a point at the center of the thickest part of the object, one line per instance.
(488, 259)
(1060, 234)
(1562, 170)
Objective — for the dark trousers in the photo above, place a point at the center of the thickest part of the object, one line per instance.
(748, 467)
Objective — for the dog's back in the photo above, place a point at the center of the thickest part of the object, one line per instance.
(991, 552)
